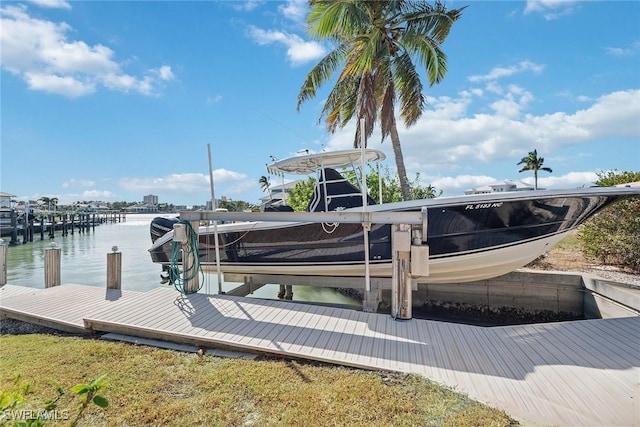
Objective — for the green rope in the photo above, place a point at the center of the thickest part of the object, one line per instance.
(180, 279)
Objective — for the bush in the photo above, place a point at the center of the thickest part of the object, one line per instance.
(613, 235)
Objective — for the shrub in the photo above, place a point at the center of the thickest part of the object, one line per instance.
(613, 235)
(10, 401)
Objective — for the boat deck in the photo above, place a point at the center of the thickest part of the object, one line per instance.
(565, 373)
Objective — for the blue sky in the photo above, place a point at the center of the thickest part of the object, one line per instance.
(111, 101)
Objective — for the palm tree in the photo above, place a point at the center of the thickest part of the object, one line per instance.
(377, 42)
(533, 163)
(265, 185)
(45, 202)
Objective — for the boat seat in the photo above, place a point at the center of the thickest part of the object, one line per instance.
(341, 194)
(275, 205)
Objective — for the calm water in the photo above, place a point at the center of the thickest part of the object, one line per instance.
(84, 262)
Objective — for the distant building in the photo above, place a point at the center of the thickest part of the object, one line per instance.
(150, 200)
(501, 186)
(279, 193)
(5, 200)
(142, 208)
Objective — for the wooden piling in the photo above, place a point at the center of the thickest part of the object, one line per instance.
(52, 266)
(3, 262)
(14, 227)
(52, 227)
(114, 269)
(192, 280)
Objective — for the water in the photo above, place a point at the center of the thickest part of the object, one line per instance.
(84, 262)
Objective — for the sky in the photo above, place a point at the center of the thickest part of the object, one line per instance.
(110, 101)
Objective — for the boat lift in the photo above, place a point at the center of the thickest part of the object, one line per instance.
(410, 253)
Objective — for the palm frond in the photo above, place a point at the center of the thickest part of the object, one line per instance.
(322, 72)
(407, 81)
(336, 20)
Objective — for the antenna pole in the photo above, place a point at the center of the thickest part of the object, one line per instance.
(366, 226)
(214, 206)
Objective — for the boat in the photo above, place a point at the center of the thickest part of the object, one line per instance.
(469, 238)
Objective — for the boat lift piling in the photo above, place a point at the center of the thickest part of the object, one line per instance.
(410, 252)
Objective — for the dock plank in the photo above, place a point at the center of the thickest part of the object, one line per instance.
(62, 307)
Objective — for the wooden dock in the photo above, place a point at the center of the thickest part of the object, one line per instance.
(580, 373)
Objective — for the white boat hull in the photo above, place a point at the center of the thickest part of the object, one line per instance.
(460, 268)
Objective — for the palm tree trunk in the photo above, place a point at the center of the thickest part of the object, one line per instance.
(402, 171)
(535, 179)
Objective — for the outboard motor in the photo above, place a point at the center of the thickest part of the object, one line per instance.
(161, 226)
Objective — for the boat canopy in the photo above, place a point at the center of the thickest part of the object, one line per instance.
(310, 163)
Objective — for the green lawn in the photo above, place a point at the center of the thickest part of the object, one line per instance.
(149, 386)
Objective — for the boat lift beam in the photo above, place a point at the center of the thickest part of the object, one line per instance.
(353, 217)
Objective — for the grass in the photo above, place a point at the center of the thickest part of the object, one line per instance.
(149, 386)
(571, 242)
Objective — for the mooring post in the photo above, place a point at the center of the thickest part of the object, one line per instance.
(41, 227)
(52, 228)
(31, 226)
(114, 269)
(25, 227)
(52, 266)
(192, 279)
(3, 262)
(401, 300)
(14, 227)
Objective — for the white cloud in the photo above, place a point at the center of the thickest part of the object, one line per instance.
(615, 113)
(188, 183)
(570, 180)
(41, 54)
(246, 6)
(452, 185)
(78, 183)
(164, 73)
(299, 51)
(97, 195)
(632, 50)
(460, 183)
(551, 9)
(295, 10)
(213, 99)
(52, 4)
(501, 72)
(67, 86)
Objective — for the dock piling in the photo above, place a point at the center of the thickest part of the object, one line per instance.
(114, 269)
(401, 280)
(52, 266)
(191, 279)
(3, 262)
